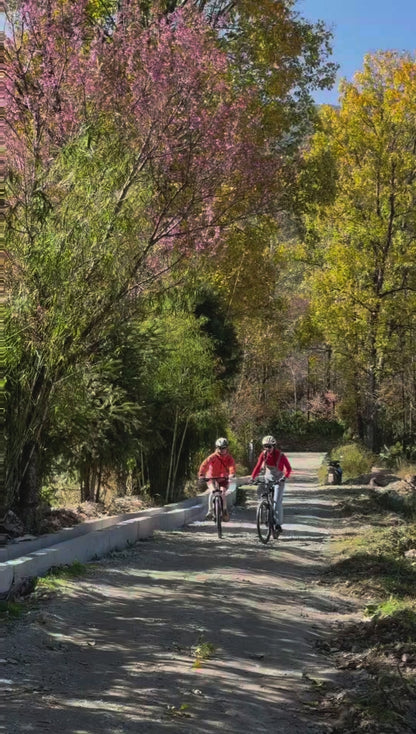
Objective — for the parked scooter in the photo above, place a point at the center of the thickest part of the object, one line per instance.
(334, 475)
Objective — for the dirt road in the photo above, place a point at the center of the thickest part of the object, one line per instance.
(183, 633)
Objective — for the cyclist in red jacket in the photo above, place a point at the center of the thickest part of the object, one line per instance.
(276, 467)
(220, 466)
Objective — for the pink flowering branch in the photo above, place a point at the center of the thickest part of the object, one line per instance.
(168, 91)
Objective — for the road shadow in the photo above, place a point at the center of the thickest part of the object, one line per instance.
(181, 633)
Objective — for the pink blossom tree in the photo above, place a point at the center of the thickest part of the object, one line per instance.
(130, 150)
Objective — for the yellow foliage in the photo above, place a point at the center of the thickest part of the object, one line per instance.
(364, 235)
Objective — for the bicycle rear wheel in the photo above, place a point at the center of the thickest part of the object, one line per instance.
(217, 506)
(264, 521)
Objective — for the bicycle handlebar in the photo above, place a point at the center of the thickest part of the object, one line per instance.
(217, 479)
(268, 481)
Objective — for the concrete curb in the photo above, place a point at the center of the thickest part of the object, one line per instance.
(96, 538)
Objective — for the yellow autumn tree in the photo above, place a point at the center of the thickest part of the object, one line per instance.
(362, 240)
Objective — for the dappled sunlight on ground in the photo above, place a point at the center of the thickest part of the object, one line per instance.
(183, 632)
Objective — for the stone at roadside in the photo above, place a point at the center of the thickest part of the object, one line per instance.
(22, 538)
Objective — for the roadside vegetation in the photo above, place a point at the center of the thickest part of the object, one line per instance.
(374, 562)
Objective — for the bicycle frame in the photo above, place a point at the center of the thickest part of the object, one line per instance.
(217, 506)
(269, 487)
(266, 515)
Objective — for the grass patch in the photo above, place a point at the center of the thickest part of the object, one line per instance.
(58, 576)
(392, 540)
(374, 503)
(381, 632)
(10, 610)
(71, 571)
(373, 562)
(377, 574)
(392, 607)
(359, 502)
(49, 583)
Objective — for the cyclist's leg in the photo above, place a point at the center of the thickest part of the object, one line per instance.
(211, 487)
(278, 501)
(224, 487)
(275, 507)
(273, 475)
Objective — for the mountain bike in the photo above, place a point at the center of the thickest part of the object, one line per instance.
(267, 512)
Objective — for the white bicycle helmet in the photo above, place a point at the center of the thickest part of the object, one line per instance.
(221, 443)
(268, 441)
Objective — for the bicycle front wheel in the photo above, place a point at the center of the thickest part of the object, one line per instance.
(218, 515)
(264, 521)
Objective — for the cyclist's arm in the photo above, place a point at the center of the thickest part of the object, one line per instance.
(231, 467)
(258, 466)
(286, 467)
(204, 467)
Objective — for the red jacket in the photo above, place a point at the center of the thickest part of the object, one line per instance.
(217, 466)
(274, 458)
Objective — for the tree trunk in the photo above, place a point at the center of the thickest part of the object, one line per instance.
(121, 482)
(88, 473)
(99, 479)
(28, 499)
(373, 428)
(328, 367)
(171, 460)
(179, 453)
(373, 432)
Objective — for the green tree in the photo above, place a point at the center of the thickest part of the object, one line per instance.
(100, 418)
(104, 207)
(187, 396)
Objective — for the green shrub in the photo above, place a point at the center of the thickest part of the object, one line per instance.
(354, 458)
(297, 424)
(392, 456)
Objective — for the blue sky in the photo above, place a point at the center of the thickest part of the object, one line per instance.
(360, 27)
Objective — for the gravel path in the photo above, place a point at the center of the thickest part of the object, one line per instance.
(183, 633)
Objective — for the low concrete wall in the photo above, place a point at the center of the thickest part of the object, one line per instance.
(96, 538)
(28, 546)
